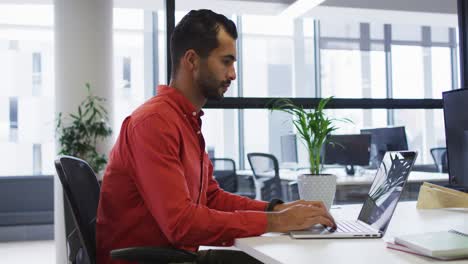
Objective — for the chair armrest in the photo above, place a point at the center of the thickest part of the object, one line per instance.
(153, 254)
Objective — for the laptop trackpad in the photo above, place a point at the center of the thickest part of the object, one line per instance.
(316, 230)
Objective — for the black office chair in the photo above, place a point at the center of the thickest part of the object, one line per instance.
(440, 159)
(266, 172)
(226, 176)
(81, 191)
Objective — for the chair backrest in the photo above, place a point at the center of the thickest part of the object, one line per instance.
(263, 165)
(265, 168)
(225, 173)
(440, 158)
(81, 191)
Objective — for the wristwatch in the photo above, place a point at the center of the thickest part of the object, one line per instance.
(272, 204)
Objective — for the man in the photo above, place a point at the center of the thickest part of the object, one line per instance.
(158, 188)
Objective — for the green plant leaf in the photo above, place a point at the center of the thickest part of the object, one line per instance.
(313, 126)
(79, 136)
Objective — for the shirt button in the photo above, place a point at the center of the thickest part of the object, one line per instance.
(194, 113)
(198, 132)
(224, 243)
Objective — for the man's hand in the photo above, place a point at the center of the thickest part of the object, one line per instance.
(298, 215)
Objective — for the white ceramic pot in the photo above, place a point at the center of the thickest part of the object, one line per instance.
(320, 187)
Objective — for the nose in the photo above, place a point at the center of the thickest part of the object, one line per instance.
(232, 73)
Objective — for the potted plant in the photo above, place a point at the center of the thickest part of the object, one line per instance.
(79, 132)
(313, 127)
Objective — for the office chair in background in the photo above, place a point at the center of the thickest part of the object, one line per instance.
(81, 190)
(440, 159)
(266, 173)
(226, 176)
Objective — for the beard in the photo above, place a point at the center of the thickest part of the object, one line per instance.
(210, 87)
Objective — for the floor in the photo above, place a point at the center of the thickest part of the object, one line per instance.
(37, 252)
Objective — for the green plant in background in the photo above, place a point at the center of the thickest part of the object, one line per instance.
(312, 125)
(78, 133)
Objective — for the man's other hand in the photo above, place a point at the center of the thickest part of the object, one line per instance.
(298, 215)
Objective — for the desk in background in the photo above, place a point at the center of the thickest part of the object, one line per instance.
(353, 189)
(280, 248)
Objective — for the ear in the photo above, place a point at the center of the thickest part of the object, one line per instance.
(191, 60)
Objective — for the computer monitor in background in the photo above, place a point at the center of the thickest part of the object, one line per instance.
(456, 136)
(385, 139)
(348, 150)
(289, 150)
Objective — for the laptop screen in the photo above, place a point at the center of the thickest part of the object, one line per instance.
(386, 188)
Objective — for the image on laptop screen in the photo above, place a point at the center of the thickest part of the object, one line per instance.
(386, 189)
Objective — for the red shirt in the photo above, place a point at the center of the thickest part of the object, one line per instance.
(158, 188)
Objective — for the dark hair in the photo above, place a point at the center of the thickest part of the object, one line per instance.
(198, 30)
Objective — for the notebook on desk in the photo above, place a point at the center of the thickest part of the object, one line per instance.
(451, 244)
(380, 204)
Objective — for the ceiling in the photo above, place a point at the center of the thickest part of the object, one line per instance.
(426, 6)
(436, 13)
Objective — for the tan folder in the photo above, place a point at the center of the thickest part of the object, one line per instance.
(433, 196)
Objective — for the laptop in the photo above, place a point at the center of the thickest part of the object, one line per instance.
(380, 203)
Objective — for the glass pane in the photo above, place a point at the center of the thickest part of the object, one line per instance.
(377, 31)
(341, 73)
(441, 71)
(353, 74)
(267, 57)
(406, 32)
(221, 131)
(424, 130)
(256, 131)
(267, 72)
(339, 29)
(378, 79)
(440, 34)
(359, 119)
(407, 71)
(4, 118)
(128, 61)
(27, 114)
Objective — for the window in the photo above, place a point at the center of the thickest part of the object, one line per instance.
(37, 159)
(263, 130)
(424, 130)
(408, 75)
(127, 74)
(267, 57)
(36, 74)
(441, 71)
(135, 73)
(13, 113)
(341, 73)
(221, 131)
(27, 119)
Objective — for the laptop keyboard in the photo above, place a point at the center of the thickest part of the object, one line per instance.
(352, 227)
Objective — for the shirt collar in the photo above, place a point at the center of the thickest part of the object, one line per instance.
(182, 101)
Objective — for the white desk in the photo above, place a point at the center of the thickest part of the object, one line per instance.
(359, 179)
(280, 248)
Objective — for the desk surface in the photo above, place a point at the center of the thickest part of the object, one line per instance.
(280, 248)
(366, 177)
